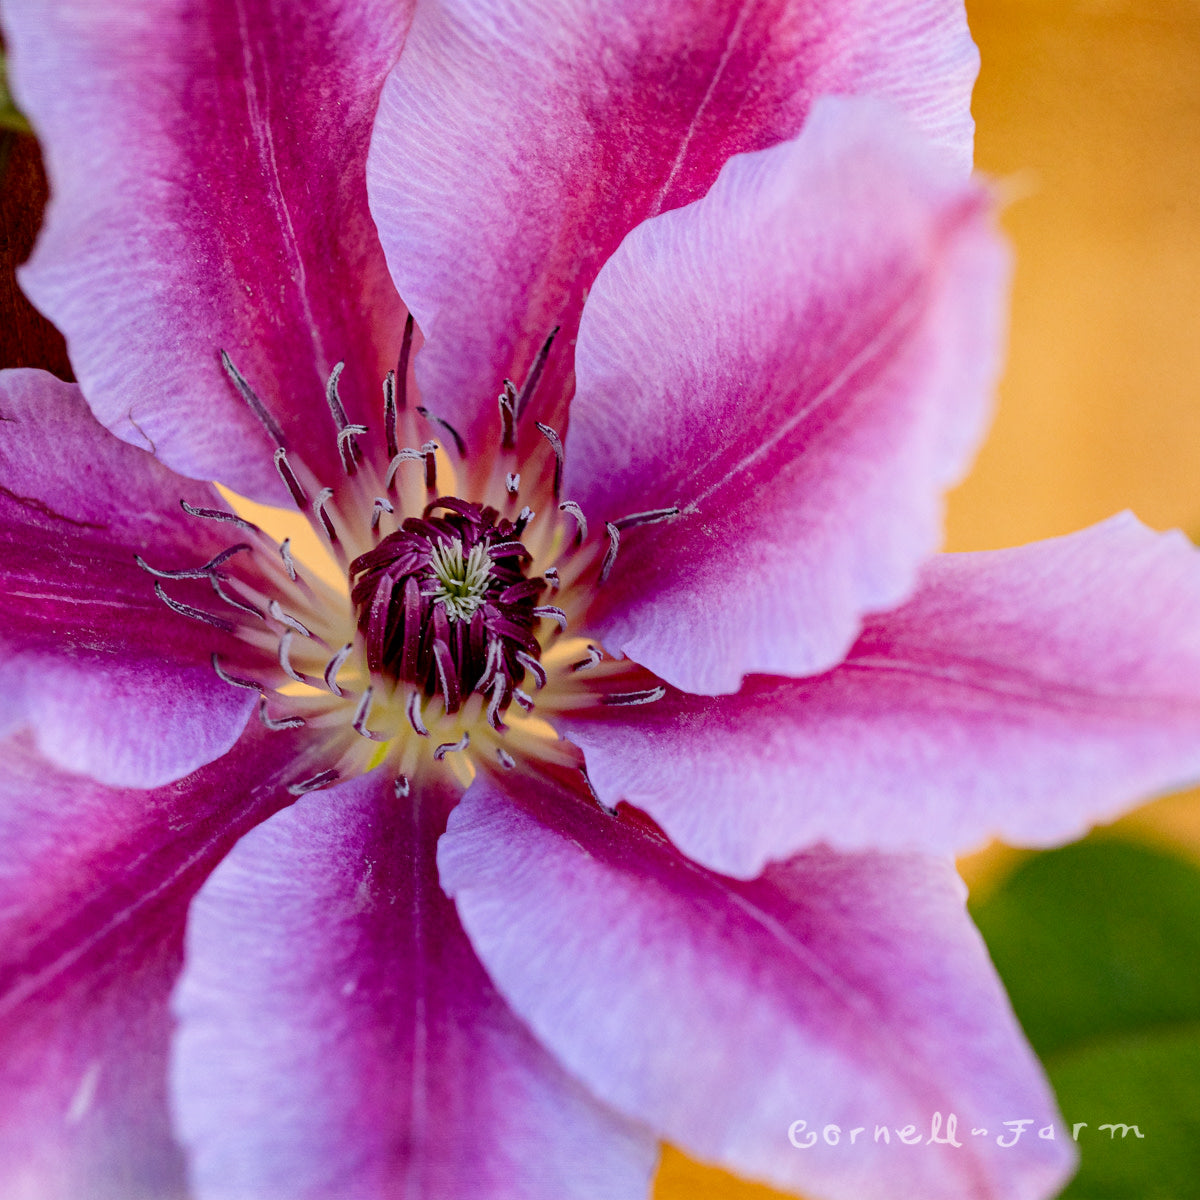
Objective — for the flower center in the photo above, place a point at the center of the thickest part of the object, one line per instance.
(444, 603)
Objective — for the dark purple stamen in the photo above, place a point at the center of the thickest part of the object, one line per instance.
(648, 696)
(256, 406)
(652, 517)
(610, 555)
(325, 495)
(444, 604)
(215, 514)
(334, 666)
(196, 614)
(299, 496)
(535, 373)
(235, 680)
(244, 606)
(508, 416)
(285, 552)
(576, 514)
(348, 449)
(313, 784)
(445, 748)
(362, 713)
(274, 723)
(512, 482)
(557, 446)
(455, 436)
(276, 611)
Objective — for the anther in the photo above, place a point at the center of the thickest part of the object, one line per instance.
(555, 614)
(534, 667)
(649, 696)
(325, 495)
(381, 506)
(455, 436)
(535, 373)
(215, 580)
(362, 713)
(215, 514)
(334, 666)
(285, 657)
(315, 783)
(523, 518)
(235, 680)
(287, 619)
(285, 551)
(186, 610)
(445, 748)
(401, 787)
(499, 693)
(648, 518)
(594, 656)
(414, 714)
(255, 405)
(550, 575)
(576, 513)
(333, 399)
(405, 455)
(508, 416)
(429, 449)
(557, 446)
(524, 699)
(512, 482)
(186, 573)
(505, 759)
(389, 412)
(443, 661)
(610, 555)
(399, 390)
(274, 723)
(348, 447)
(289, 478)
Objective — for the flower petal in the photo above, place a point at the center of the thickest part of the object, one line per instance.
(837, 990)
(81, 629)
(517, 144)
(338, 1037)
(94, 887)
(206, 160)
(802, 362)
(1023, 694)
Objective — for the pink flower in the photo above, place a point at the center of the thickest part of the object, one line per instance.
(247, 958)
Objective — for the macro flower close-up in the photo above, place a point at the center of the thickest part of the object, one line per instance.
(595, 783)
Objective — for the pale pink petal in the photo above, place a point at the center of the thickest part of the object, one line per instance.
(206, 163)
(835, 990)
(338, 1038)
(1022, 694)
(518, 142)
(94, 887)
(113, 682)
(801, 362)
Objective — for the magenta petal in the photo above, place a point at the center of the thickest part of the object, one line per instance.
(114, 683)
(339, 1040)
(836, 990)
(802, 362)
(206, 163)
(517, 144)
(94, 887)
(1022, 694)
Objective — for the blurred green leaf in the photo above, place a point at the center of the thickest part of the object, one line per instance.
(11, 117)
(1099, 946)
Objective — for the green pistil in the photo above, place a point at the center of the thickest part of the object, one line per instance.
(462, 583)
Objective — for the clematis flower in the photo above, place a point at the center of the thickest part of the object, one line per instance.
(612, 797)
